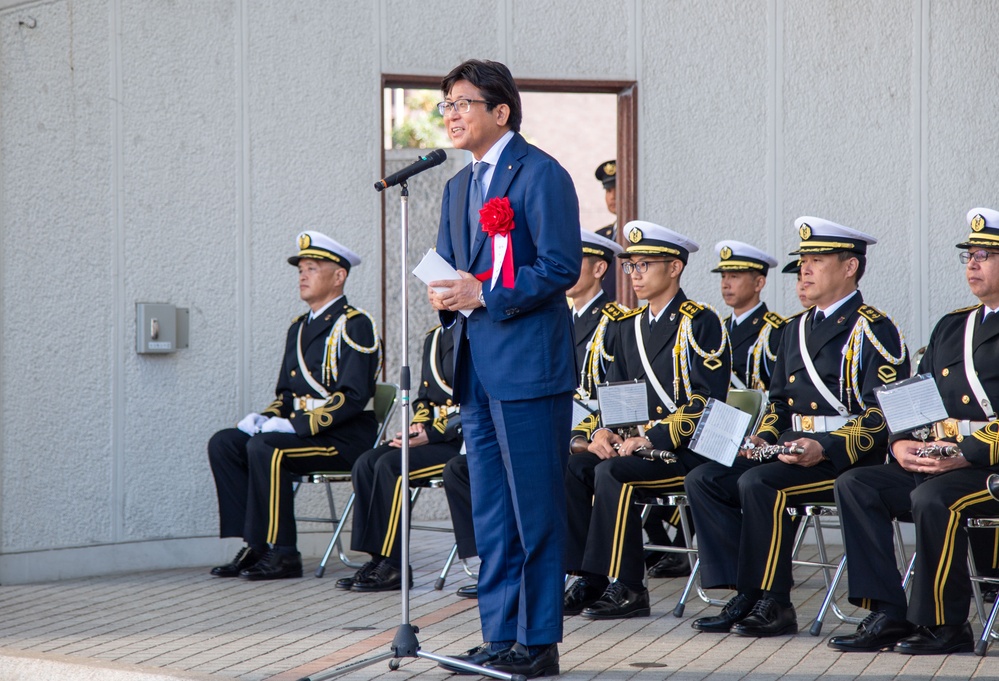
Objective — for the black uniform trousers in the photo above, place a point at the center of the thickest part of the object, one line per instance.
(379, 492)
(253, 475)
(605, 523)
(458, 489)
(870, 497)
(746, 534)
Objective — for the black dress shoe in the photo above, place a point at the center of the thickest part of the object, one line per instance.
(619, 602)
(246, 558)
(876, 632)
(941, 640)
(360, 576)
(518, 660)
(738, 608)
(581, 594)
(467, 591)
(768, 618)
(480, 655)
(275, 565)
(670, 565)
(385, 577)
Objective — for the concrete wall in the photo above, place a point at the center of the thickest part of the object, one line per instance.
(169, 151)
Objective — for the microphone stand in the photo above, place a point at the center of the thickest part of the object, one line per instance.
(405, 643)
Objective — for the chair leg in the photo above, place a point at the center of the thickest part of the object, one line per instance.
(439, 584)
(982, 646)
(829, 600)
(335, 539)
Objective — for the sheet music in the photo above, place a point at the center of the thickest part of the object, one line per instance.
(720, 432)
(435, 268)
(912, 403)
(580, 410)
(623, 404)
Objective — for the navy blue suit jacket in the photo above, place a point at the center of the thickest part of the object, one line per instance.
(522, 342)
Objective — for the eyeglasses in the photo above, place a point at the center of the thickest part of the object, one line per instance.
(977, 256)
(462, 106)
(642, 266)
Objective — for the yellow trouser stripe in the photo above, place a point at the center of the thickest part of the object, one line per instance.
(274, 504)
(393, 523)
(623, 505)
(780, 506)
(947, 553)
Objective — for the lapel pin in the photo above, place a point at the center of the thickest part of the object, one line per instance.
(672, 317)
(841, 320)
(509, 167)
(756, 321)
(327, 318)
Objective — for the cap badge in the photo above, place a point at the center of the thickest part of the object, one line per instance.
(304, 241)
(977, 223)
(805, 231)
(635, 235)
(725, 253)
(610, 169)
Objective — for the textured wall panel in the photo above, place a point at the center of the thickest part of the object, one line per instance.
(431, 37)
(56, 277)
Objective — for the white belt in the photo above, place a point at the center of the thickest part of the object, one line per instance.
(817, 424)
(954, 427)
(313, 403)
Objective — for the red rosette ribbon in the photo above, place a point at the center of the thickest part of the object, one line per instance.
(496, 217)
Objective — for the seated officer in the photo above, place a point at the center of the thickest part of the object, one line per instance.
(753, 331)
(435, 438)
(606, 174)
(830, 360)
(940, 493)
(680, 349)
(321, 419)
(592, 312)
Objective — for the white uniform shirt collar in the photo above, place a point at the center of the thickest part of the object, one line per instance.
(655, 318)
(492, 158)
(584, 308)
(829, 311)
(313, 315)
(748, 313)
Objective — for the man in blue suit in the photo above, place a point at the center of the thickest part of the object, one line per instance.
(514, 359)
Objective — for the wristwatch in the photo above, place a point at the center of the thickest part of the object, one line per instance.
(482, 299)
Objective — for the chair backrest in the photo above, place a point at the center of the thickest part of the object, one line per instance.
(750, 401)
(386, 400)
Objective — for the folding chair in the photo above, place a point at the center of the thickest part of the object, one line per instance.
(385, 402)
(988, 623)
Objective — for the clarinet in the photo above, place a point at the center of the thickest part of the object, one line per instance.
(649, 454)
(938, 451)
(769, 452)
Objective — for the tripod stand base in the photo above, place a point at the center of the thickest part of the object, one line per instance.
(405, 644)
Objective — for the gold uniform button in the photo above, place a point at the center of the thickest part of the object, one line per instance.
(791, 379)
(448, 403)
(425, 384)
(960, 438)
(659, 410)
(292, 415)
(814, 406)
(293, 373)
(965, 399)
(945, 372)
(790, 401)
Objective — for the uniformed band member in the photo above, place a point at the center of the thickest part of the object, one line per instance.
(680, 348)
(940, 493)
(830, 360)
(379, 491)
(753, 330)
(322, 419)
(606, 174)
(592, 312)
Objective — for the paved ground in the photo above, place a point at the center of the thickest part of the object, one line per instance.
(184, 624)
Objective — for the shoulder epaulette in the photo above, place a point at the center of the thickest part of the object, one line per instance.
(630, 313)
(690, 308)
(300, 318)
(871, 314)
(774, 319)
(615, 311)
(353, 312)
(966, 309)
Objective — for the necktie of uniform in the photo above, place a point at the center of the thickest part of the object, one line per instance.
(475, 202)
(817, 318)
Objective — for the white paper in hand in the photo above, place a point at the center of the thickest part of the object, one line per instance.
(435, 268)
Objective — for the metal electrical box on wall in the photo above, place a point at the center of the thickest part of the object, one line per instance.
(161, 328)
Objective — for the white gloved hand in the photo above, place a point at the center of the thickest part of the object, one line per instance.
(251, 423)
(277, 425)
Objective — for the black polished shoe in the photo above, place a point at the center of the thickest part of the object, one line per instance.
(876, 632)
(518, 660)
(670, 565)
(738, 608)
(480, 655)
(361, 575)
(619, 602)
(246, 558)
(581, 594)
(768, 618)
(467, 591)
(385, 577)
(941, 640)
(275, 565)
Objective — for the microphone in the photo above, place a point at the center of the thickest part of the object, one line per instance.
(434, 158)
